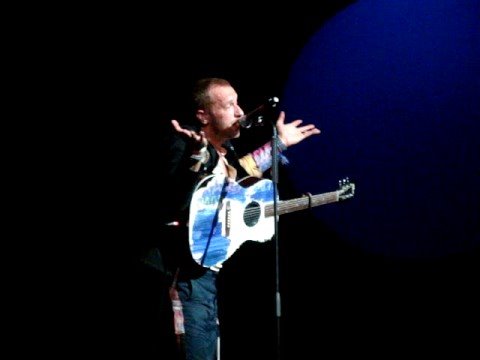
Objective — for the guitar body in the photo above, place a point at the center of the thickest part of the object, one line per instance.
(225, 214)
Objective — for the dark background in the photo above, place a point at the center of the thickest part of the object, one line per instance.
(336, 298)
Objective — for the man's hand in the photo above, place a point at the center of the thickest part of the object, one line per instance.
(199, 140)
(292, 133)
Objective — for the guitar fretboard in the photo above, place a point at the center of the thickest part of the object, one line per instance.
(302, 203)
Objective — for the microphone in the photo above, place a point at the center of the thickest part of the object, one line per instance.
(255, 117)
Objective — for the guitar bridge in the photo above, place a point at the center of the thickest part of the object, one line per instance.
(228, 218)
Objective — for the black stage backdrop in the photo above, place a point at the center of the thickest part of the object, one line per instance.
(337, 297)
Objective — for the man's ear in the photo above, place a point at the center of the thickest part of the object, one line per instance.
(202, 116)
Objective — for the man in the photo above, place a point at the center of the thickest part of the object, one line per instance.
(191, 155)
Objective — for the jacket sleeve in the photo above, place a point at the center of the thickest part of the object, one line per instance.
(178, 178)
(260, 160)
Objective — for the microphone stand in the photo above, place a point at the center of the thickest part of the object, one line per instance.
(246, 122)
(275, 177)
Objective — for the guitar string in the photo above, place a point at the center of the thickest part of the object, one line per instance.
(252, 213)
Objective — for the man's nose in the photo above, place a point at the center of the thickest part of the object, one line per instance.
(238, 111)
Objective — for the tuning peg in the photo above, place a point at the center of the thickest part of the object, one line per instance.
(344, 182)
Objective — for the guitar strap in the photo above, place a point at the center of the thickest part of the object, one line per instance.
(215, 219)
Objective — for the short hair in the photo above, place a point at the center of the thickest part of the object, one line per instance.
(201, 96)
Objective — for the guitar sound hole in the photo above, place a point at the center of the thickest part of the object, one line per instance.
(251, 214)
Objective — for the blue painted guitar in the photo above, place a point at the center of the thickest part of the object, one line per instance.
(225, 214)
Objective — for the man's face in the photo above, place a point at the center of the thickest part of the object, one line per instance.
(224, 112)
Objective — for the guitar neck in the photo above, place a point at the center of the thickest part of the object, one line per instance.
(304, 202)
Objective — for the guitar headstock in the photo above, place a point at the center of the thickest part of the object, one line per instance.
(346, 189)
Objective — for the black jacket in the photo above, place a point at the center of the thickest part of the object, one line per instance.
(171, 249)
